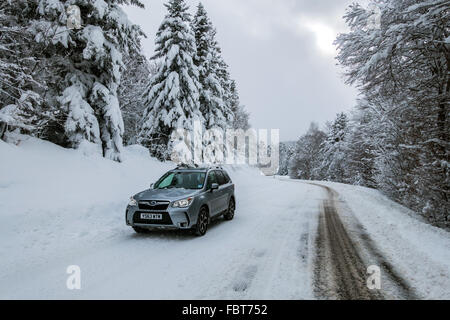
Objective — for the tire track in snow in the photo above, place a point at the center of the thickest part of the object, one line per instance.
(335, 246)
(340, 270)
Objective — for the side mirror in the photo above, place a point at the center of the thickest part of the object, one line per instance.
(152, 185)
(214, 186)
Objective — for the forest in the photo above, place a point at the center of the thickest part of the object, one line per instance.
(93, 85)
(396, 138)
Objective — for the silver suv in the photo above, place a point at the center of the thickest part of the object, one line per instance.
(183, 198)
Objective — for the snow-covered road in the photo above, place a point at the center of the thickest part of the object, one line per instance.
(59, 207)
(263, 253)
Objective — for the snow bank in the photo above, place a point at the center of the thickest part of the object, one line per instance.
(38, 176)
(55, 200)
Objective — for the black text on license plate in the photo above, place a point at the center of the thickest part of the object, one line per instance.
(151, 216)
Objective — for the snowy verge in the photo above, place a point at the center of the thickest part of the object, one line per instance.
(51, 196)
(36, 175)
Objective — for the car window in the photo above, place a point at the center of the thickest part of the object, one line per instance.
(227, 177)
(181, 180)
(220, 177)
(165, 182)
(211, 179)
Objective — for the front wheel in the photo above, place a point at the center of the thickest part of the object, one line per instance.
(202, 222)
(229, 215)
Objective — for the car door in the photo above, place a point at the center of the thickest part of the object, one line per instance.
(222, 192)
(212, 197)
(229, 186)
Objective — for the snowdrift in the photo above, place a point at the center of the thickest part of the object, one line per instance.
(37, 176)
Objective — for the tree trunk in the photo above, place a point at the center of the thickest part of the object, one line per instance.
(3, 127)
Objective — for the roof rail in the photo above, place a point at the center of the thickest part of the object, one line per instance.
(186, 166)
(196, 166)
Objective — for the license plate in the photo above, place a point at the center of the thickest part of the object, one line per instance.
(151, 216)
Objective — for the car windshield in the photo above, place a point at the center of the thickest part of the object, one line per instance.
(181, 180)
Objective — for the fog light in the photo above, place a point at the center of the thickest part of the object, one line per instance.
(183, 224)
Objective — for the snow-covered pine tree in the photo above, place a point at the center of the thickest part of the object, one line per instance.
(287, 150)
(91, 92)
(333, 150)
(172, 96)
(80, 69)
(361, 146)
(306, 156)
(133, 84)
(212, 104)
(19, 101)
(215, 96)
(241, 117)
(219, 98)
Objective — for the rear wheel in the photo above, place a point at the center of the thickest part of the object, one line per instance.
(202, 222)
(229, 215)
(140, 230)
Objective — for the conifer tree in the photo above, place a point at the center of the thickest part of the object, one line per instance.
(78, 70)
(333, 150)
(207, 59)
(402, 68)
(192, 83)
(172, 96)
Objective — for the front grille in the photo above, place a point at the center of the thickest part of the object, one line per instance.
(154, 205)
(166, 220)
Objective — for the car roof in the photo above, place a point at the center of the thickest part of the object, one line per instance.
(189, 170)
(184, 168)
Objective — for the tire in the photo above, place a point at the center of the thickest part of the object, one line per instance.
(202, 222)
(229, 215)
(140, 230)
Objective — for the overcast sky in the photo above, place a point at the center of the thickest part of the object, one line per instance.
(280, 52)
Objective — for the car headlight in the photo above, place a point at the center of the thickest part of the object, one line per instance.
(183, 203)
(133, 202)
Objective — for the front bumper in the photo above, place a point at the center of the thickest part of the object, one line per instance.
(173, 218)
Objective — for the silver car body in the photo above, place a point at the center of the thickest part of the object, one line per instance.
(160, 201)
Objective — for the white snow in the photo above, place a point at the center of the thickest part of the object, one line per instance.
(81, 123)
(101, 7)
(61, 207)
(10, 114)
(95, 40)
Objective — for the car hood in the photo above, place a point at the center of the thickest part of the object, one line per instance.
(166, 194)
